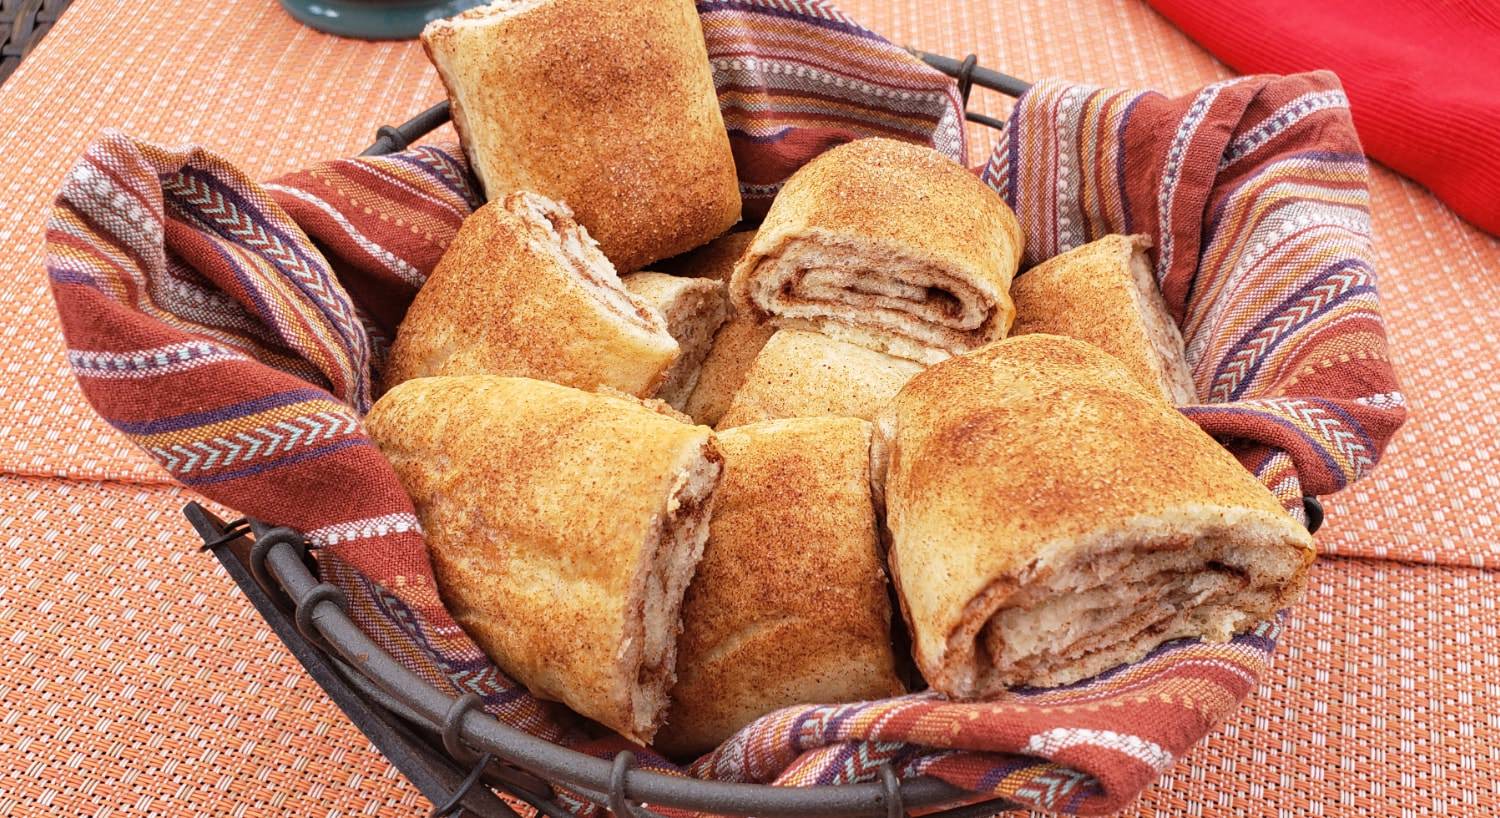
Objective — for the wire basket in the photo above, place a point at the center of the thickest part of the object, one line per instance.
(460, 757)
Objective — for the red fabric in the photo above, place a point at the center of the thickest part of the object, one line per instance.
(1420, 75)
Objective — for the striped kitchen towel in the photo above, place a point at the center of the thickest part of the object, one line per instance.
(234, 331)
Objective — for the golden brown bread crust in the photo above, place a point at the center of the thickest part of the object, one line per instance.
(735, 347)
(789, 604)
(694, 309)
(560, 525)
(714, 260)
(738, 340)
(886, 244)
(1020, 465)
(1104, 293)
(520, 291)
(806, 374)
(609, 107)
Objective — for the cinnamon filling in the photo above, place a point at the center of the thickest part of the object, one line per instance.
(825, 280)
(676, 545)
(553, 228)
(1112, 604)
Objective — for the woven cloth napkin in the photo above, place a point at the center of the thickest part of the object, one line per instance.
(232, 330)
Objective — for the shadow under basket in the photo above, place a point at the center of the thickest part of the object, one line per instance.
(460, 757)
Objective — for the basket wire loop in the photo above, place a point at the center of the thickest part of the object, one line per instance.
(308, 604)
(397, 140)
(1313, 508)
(452, 727)
(265, 540)
(232, 531)
(894, 806)
(618, 803)
(453, 807)
(965, 78)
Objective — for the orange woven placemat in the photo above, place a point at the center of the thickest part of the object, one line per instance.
(135, 680)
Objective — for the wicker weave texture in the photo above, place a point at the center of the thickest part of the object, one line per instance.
(23, 23)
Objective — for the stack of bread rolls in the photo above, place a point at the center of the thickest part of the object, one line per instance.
(679, 498)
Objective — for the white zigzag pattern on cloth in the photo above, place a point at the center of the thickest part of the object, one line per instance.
(996, 171)
(1327, 427)
(407, 273)
(812, 8)
(323, 288)
(440, 164)
(440, 167)
(1285, 117)
(241, 226)
(864, 763)
(1299, 212)
(1234, 371)
(1050, 742)
(1048, 790)
(150, 363)
(364, 529)
(281, 436)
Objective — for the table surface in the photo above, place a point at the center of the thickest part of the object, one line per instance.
(136, 681)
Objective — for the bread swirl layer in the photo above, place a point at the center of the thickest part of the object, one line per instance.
(1113, 600)
(554, 233)
(874, 296)
(888, 245)
(693, 309)
(675, 544)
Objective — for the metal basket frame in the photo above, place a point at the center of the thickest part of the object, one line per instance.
(457, 755)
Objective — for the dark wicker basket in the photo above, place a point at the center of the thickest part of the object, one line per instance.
(460, 757)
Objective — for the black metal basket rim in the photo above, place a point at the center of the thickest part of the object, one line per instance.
(319, 609)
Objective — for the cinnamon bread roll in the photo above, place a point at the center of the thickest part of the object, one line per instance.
(1104, 293)
(805, 374)
(789, 604)
(523, 290)
(1051, 518)
(888, 245)
(609, 107)
(563, 527)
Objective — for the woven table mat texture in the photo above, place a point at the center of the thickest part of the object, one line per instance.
(136, 680)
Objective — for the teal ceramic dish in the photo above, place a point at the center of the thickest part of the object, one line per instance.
(374, 19)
